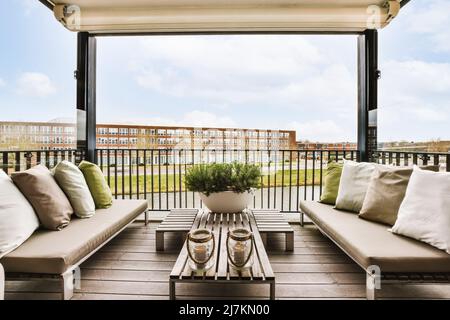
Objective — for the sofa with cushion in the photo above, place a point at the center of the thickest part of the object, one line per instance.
(394, 222)
(371, 244)
(58, 254)
(52, 221)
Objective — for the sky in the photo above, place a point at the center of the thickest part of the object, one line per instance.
(302, 83)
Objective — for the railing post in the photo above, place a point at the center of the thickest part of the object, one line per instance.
(447, 164)
(6, 162)
(28, 157)
(78, 157)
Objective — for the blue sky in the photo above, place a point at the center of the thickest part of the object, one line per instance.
(304, 83)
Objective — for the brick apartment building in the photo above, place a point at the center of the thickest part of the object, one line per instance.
(62, 136)
(339, 146)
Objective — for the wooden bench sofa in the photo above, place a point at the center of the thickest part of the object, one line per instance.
(58, 254)
(384, 256)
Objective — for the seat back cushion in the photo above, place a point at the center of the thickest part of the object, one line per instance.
(72, 182)
(18, 220)
(331, 185)
(385, 193)
(353, 186)
(48, 200)
(424, 214)
(97, 184)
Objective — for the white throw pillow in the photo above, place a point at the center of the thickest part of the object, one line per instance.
(425, 211)
(72, 182)
(353, 186)
(18, 220)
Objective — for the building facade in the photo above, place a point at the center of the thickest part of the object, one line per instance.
(57, 136)
(62, 136)
(336, 146)
(157, 137)
(37, 136)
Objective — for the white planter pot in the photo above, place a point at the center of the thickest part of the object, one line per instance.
(227, 201)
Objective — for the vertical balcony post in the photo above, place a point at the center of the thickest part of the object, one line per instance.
(368, 75)
(86, 94)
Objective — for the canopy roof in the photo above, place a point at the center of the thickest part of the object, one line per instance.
(140, 16)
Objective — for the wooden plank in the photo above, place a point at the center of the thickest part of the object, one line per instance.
(183, 256)
(222, 268)
(260, 250)
(216, 228)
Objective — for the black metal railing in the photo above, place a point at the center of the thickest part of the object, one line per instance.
(13, 161)
(157, 175)
(405, 158)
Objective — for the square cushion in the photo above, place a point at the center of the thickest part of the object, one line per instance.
(48, 200)
(353, 186)
(72, 182)
(331, 183)
(96, 182)
(17, 218)
(425, 211)
(385, 193)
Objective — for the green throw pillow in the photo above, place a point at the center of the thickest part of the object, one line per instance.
(332, 180)
(97, 184)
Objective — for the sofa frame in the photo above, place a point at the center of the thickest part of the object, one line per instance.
(374, 279)
(69, 280)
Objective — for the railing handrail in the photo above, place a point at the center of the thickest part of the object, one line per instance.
(414, 152)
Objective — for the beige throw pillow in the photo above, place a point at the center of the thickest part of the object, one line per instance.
(48, 200)
(355, 179)
(72, 182)
(424, 214)
(385, 193)
(17, 218)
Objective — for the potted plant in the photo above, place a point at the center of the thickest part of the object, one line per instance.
(224, 188)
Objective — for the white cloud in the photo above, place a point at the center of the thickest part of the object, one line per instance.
(414, 100)
(252, 70)
(320, 131)
(28, 6)
(35, 84)
(207, 119)
(194, 118)
(2, 83)
(431, 20)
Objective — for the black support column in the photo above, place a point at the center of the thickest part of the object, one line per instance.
(86, 94)
(368, 75)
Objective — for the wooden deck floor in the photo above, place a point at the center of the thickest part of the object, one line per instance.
(130, 268)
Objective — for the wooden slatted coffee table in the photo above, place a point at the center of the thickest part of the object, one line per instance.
(177, 221)
(273, 221)
(221, 272)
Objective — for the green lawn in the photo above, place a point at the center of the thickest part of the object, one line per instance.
(171, 182)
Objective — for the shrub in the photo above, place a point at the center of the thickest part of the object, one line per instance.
(213, 178)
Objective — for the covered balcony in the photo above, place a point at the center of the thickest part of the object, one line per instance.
(130, 265)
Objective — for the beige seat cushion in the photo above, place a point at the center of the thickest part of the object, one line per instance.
(48, 200)
(370, 243)
(53, 252)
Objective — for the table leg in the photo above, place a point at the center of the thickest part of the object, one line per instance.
(172, 293)
(272, 290)
(159, 241)
(264, 239)
(290, 241)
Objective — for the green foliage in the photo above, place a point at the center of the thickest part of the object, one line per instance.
(212, 178)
